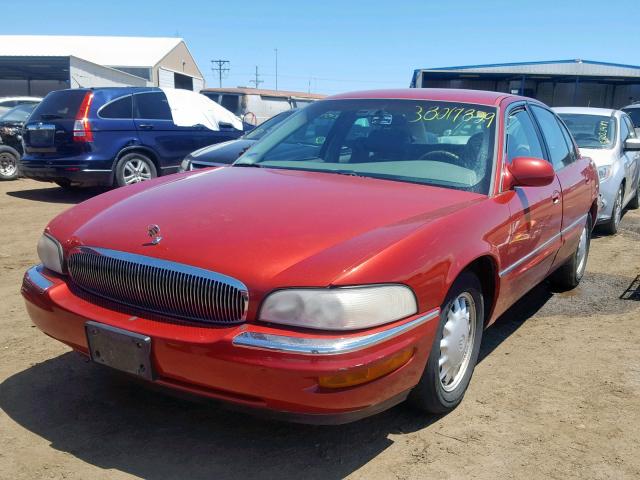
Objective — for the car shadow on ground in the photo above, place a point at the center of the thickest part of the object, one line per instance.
(57, 194)
(111, 422)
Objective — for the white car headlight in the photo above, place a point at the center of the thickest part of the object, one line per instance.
(604, 172)
(50, 253)
(347, 308)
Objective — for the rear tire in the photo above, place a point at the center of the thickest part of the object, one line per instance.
(443, 384)
(9, 163)
(568, 276)
(610, 227)
(134, 168)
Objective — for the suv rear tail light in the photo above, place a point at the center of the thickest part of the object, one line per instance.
(82, 127)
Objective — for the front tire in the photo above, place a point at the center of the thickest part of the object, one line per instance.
(610, 227)
(455, 349)
(134, 168)
(9, 163)
(569, 275)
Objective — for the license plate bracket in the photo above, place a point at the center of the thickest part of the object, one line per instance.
(120, 349)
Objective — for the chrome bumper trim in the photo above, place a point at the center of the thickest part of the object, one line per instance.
(38, 280)
(326, 346)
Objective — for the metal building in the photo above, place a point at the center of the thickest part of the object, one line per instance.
(38, 64)
(556, 83)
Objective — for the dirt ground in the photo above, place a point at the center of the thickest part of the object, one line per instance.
(555, 395)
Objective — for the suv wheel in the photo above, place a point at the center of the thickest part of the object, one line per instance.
(134, 168)
(9, 163)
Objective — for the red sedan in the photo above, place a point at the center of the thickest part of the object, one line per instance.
(348, 261)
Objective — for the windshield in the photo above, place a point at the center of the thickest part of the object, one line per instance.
(634, 113)
(18, 114)
(401, 140)
(591, 131)
(259, 132)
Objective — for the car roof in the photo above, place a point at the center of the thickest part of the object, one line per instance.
(482, 97)
(586, 111)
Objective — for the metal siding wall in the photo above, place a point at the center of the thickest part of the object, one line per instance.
(165, 78)
(87, 74)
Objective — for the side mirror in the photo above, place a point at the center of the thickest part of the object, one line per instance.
(632, 144)
(530, 172)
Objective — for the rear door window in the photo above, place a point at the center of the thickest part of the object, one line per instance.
(63, 104)
(627, 120)
(120, 108)
(152, 106)
(557, 145)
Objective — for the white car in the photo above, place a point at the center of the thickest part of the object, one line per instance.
(7, 103)
(608, 137)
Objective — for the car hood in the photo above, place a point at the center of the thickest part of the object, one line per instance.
(265, 227)
(600, 156)
(226, 152)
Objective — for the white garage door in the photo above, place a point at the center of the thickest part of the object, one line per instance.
(166, 79)
(198, 84)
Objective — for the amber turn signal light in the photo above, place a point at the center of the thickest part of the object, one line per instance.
(367, 373)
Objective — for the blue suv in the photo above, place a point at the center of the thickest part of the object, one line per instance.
(109, 136)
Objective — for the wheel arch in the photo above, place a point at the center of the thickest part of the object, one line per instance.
(485, 267)
(149, 152)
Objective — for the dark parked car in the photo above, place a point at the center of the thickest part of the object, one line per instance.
(227, 152)
(120, 135)
(11, 123)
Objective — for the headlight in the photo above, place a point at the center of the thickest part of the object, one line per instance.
(185, 165)
(604, 172)
(348, 308)
(50, 253)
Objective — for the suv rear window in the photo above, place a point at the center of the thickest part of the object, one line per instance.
(63, 104)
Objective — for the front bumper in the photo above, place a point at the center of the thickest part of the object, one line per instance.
(250, 366)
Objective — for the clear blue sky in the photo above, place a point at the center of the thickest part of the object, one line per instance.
(350, 44)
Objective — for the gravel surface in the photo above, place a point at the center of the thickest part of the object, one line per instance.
(555, 395)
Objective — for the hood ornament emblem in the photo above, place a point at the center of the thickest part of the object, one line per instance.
(154, 234)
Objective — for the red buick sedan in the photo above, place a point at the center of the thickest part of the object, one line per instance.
(348, 261)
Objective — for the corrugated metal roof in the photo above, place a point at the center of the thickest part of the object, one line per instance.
(554, 67)
(109, 51)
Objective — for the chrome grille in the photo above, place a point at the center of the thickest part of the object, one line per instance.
(159, 286)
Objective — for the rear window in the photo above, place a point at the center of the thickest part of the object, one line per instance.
(63, 104)
(120, 108)
(153, 106)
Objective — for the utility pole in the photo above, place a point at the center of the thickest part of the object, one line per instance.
(220, 66)
(276, 68)
(257, 80)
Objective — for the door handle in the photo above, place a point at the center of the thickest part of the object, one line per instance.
(145, 126)
(555, 197)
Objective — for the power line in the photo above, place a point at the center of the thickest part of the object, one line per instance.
(257, 80)
(223, 67)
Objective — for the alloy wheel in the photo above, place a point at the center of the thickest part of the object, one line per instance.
(617, 209)
(135, 171)
(458, 337)
(8, 165)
